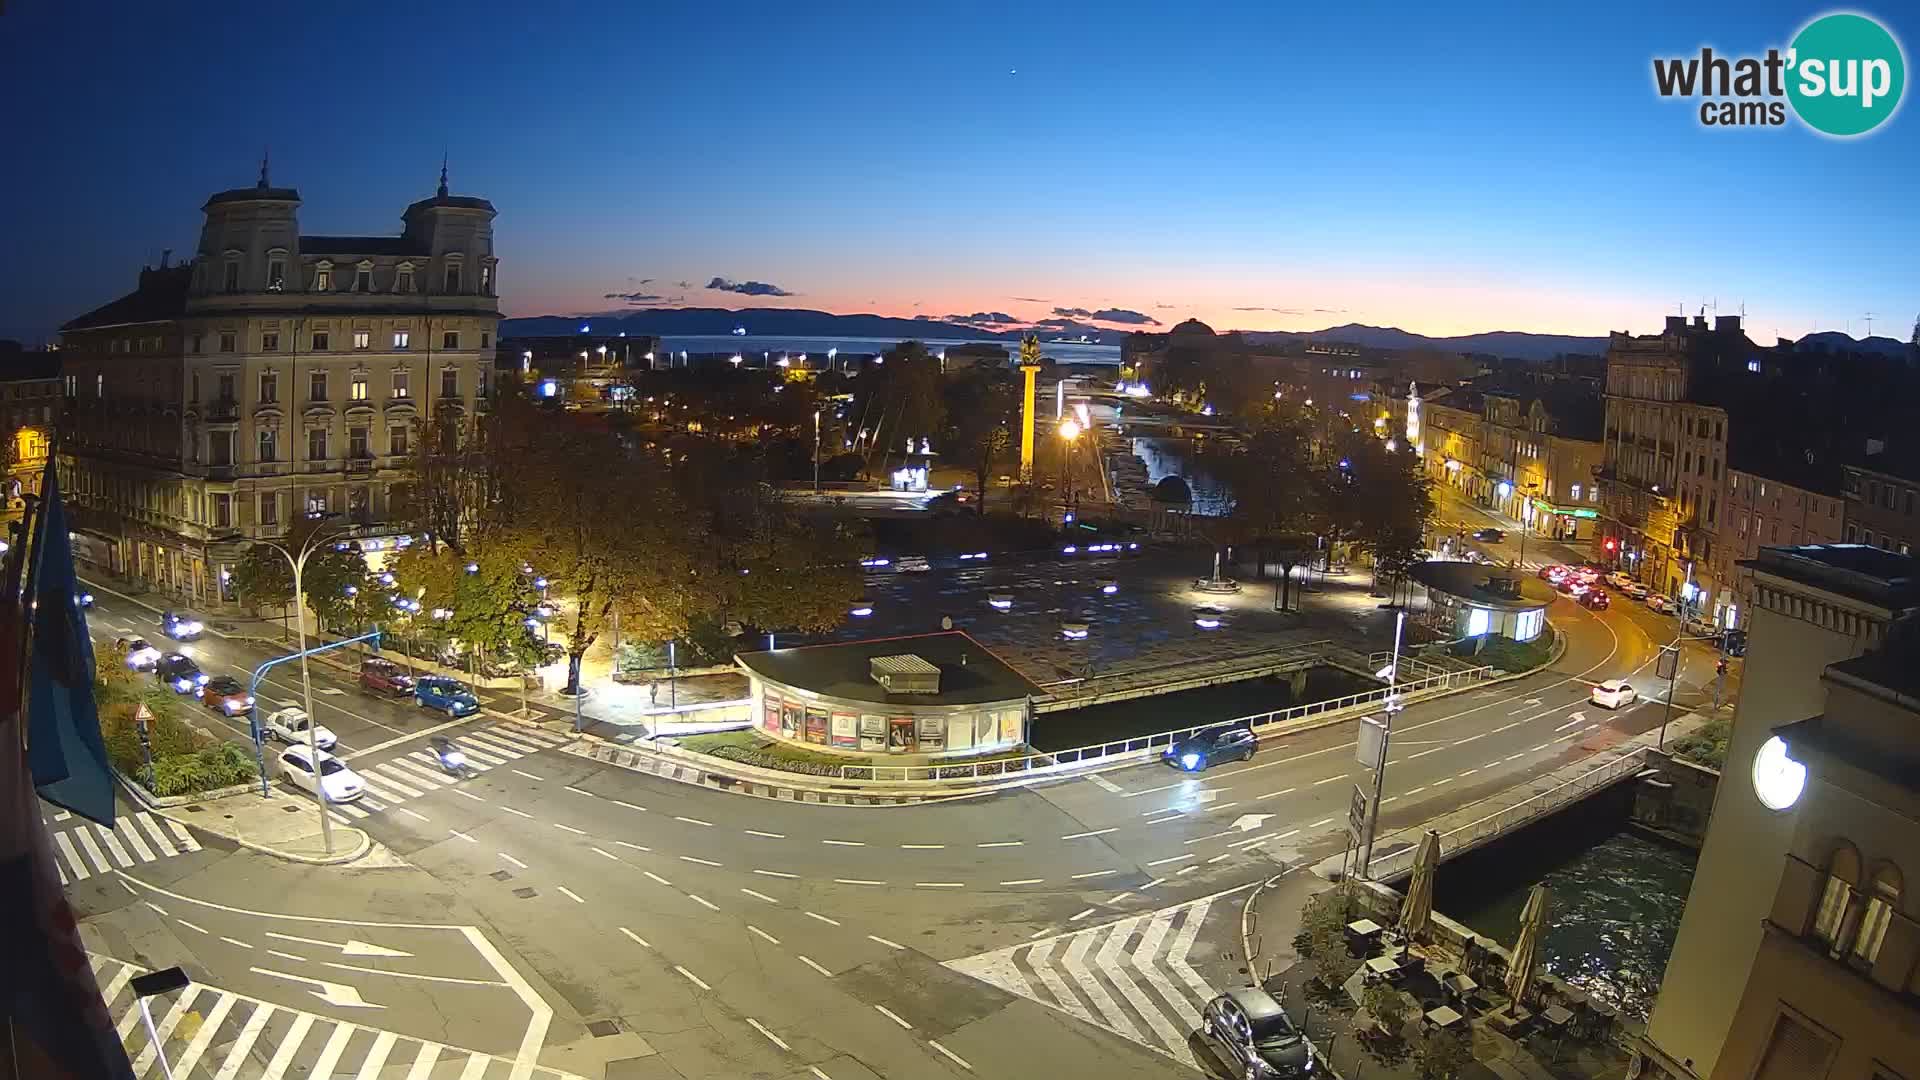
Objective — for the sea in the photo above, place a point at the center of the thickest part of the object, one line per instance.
(766, 349)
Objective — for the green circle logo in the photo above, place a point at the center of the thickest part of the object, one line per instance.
(1846, 74)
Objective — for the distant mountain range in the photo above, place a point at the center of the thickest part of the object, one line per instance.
(803, 322)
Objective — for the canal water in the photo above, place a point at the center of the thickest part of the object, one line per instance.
(1187, 708)
(1617, 897)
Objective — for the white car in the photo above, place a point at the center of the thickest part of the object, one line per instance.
(1620, 579)
(1633, 590)
(1660, 603)
(142, 656)
(290, 726)
(1614, 694)
(912, 564)
(337, 782)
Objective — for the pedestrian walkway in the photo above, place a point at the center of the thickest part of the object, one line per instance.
(1130, 977)
(213, 1034)
(83, 849)
(413, 771)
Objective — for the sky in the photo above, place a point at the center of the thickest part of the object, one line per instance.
(1511, 168)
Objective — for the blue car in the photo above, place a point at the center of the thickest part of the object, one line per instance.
(1209, 745)
(449, 696)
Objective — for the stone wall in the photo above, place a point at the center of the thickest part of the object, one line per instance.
(1675, 798)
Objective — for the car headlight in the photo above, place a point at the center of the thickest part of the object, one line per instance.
(1189, 760)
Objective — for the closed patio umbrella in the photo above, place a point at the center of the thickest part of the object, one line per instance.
(1419, 902)
(1526, 948)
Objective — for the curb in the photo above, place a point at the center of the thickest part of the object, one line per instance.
(364, 845)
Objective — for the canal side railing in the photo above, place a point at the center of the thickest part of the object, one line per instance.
(1182, 675)
(1464, 838)
(1272, 722)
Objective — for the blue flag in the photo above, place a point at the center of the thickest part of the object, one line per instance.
(65, 751)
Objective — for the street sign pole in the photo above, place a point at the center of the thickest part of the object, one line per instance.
(1669, 659)
(1393, 706)
(253, 694)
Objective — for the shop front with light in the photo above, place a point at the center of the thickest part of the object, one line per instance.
(1464, 599)
(942, 695)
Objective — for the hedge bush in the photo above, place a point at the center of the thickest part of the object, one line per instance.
(185, 760)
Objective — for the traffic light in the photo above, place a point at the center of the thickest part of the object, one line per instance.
(1611, 543)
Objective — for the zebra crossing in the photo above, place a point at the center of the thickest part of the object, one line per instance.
(1130, 977)
(82, 849)
(409, 775)
(211, 1034)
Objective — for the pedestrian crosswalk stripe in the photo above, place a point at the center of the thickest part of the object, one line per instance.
(493, 740)
(205, 1031)
(126, 829)
(100, 862)
(1130, 977)
(113, 844)
(489, 756)
(414, 768)
(159, 836)
(398, 779)
(415, 773)
(66, 847)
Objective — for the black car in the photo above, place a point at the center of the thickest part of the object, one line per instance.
(1490, 535)
(1203, 748)
(1254, 1036)
(1735, 643)
(180, 673)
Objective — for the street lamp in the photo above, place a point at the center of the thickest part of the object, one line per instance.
(1070, 431)
(816, 451)
(314, 542)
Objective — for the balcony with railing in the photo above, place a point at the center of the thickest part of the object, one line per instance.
(360, 465)
(222, 411)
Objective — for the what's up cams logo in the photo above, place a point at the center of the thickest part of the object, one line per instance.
(1843, 75)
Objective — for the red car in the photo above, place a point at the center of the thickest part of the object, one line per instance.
(385, 676)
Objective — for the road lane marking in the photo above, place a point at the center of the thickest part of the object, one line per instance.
(691, 977)
(1185, 870)
(1217, 858)
(156, 907)
(236, 941)
(521, 813)
(1093, 874)
(571, 829)
(938, 885)
(528, 775)
(1080, 915)
(694, 859)
(1569, 724)
(817, 1074)
(1275, 794)
(1322, 821)
(1447, 780)
(956, 1058)
(1002, 843)
(411, 814)
(511, 859)
(657, 878)
(1498, 730)
(1151, 884)
(922, 847)
(1093, 832)
(756, 931)
(893, 1016)
(1175, 858)
(467, 795)
(1415, 791)
(1468, 739)
(704, 902)
(190, 926)
(888, 944)
(1024, 881)
(636, 938)
(856, 881)
(1424, 753)
(1149, 791)
(463, 836)
(570, 894)
(822, 918)
(845, 843)
(635, 847)
(606, 853)
(628, 805)
(1542, 746)
(1469, 772)
(771, 1037)
(759, 896)
(1330, 779)
(776, 873)
(581, 791)
(768, 835)
(807, 960)
(287, 956)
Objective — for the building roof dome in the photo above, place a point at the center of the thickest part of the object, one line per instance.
(1194, 328)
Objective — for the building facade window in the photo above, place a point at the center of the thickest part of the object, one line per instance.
(269, 445)
(317, 386)
(269, 508)
(323, 278)
(269, 387)
(222, 511)
(486, 339)
(403, 281)
(223, 386)
(227, 341)
(453, 278)
(450, 339)
(363, 278)
(232, 283)
(270, 342)
(402, 339)
(219, 447)
(397, 440)
(450, 382)
(1882, 899)
(402, 384)
(316, 504)
(1836, 899)
(317, 444)
(357, 444)
(363, 339)
(319, 341)
(276, 274)
(358, 388)
(199, 341)
(486, 280)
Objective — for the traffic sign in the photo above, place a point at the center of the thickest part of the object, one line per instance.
(1357, 815)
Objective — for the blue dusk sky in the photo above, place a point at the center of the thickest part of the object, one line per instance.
(1257, 166)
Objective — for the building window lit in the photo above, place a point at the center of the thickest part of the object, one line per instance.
(323, 278)
(401, 387)
(402, 339)
(362, 339)
(358, 388)
(276, 275)
(269, 445)
(1477, 619)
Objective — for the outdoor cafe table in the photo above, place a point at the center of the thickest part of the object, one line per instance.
(1383, 965)
(1363, 928)
(1443, 1017)
(1557, 1015)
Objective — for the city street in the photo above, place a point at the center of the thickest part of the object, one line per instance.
(728, 935)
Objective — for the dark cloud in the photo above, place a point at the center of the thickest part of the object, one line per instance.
(1331, 310)
(634, 297)
(986, 320)
(1030, 299)
(1163, 307)
(1073, 312)
(746, 288)
(1275, 310)
(1109, 315)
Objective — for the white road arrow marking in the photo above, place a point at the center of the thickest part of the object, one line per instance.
(1576, 716)
(1206, 796)
(1249, 822)
(332, 993)
(348, 948)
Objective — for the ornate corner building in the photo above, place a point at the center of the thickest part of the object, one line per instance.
(274, 376)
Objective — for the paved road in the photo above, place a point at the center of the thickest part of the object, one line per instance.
(726, 935)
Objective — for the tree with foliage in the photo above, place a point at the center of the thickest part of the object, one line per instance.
(340, 589)
(1276, 505)
(262, 579)
(1388, 1006)
(1443, 1054)
(980, 404)
(1333, 963)
(898, 398)
(453, 477)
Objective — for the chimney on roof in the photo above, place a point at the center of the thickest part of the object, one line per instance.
(1699, 322)
(1729, 324)
(1676, 324)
